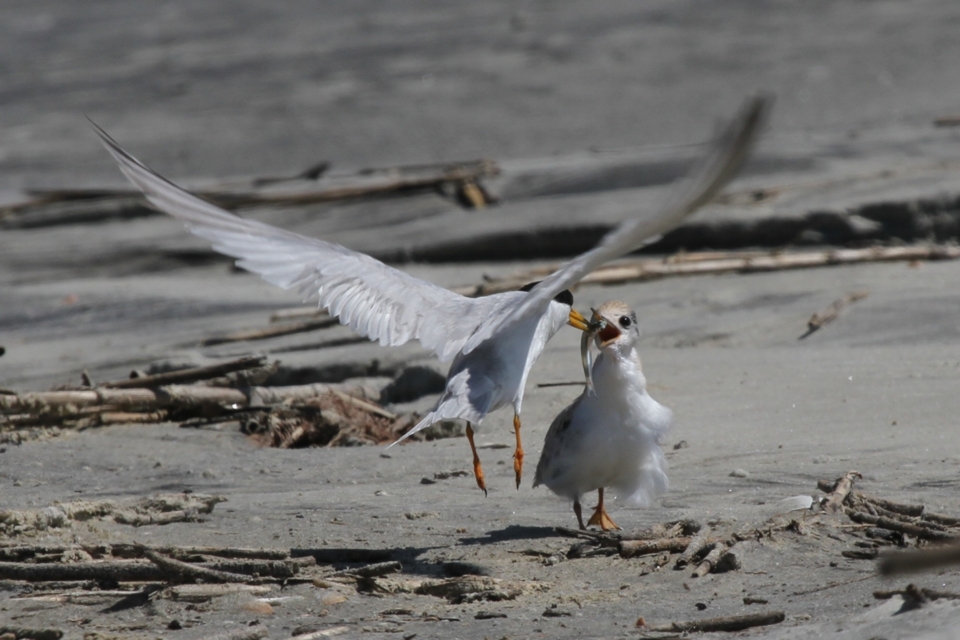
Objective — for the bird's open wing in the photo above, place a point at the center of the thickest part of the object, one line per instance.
(704, 180)
(378, 301)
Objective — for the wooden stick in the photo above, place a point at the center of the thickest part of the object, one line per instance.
(187, 375)
(31, 634)
(899, 526)
(631, 548)
(643, 270)
(124, 571)
(911, 591)
(705, 567)
(370, 571)
(697, 543)
(270, 332)
(186, 570)
(255, 633)
(834, 501)
(366, 406)
(912, 510)
(180, 553)
(726, 623)
(831, 313)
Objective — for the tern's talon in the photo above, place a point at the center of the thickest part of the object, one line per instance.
(600, 517)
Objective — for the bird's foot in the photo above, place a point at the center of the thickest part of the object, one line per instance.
(601, 519)
(518, 453)
(477, 469)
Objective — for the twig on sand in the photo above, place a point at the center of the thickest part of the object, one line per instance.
(270, 332)
(831, 313)
(726, 623)
(913, 592)
(370, 570)
(187, 375)
(718, 263)
(190, 571)
(833, 502)
(711, 561)
(631, 548)
(31, 634)
(697, 543)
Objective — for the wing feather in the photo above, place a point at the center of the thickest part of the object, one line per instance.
(705, 179)
(376, 300)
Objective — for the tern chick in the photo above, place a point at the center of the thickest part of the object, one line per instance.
(609, 437)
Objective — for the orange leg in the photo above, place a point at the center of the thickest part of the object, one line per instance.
(600, 517)
(579, 511)
(518, 454)
(477, 471)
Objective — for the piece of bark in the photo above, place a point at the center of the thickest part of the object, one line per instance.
(900, 562)
(262, 568)
(711, 560)
(190, 571)
(822, 318)
(631, 548)
(726, 623)
(184, 376)
(833, 502)
(697, 543)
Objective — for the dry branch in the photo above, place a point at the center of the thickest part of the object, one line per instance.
(31, 634)
(711, 561)
(187, 375)
(255, 633)
(631, 548)
(833, 502)
(697, 543)
(726, 623)
(120, 571)
(831, 313)
(270, 332)
(189, 571)
(719, 263)
(900, 526)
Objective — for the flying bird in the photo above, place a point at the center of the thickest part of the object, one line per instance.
(492, 341)
(609, 436)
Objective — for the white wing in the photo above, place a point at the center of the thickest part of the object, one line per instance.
(378, 301)
(705, 179)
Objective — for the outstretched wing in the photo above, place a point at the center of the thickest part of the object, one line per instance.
(705, 179)
(376, 300)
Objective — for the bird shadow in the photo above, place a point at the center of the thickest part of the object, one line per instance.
(511, 532)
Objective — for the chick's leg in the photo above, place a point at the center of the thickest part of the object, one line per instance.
(600, 517)
(579, 512)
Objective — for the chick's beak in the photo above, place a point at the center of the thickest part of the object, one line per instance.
(577, 321)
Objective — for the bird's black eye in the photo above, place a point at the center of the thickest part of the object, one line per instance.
(625, 321)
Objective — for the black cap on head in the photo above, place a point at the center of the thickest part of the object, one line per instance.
(564, 297)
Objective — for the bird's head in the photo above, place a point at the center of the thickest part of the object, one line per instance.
(620, 328)
(564, 298)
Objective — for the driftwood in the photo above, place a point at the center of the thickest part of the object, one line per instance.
(726, 623)
(697, 543)
(912, 591)
(31, 634)
(631, 548)
(718, 263)
(899, 526)
(205, 592)
(833, 503)
(182, 397)
(270, 332)
(322, 633)
(255, 633)
(187, 375)
(160, 509)
(190, 571)
(369, 571)
(711, 561)
(121, 571)
(831, 313)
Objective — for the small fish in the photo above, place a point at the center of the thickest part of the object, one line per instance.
(586, 338)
